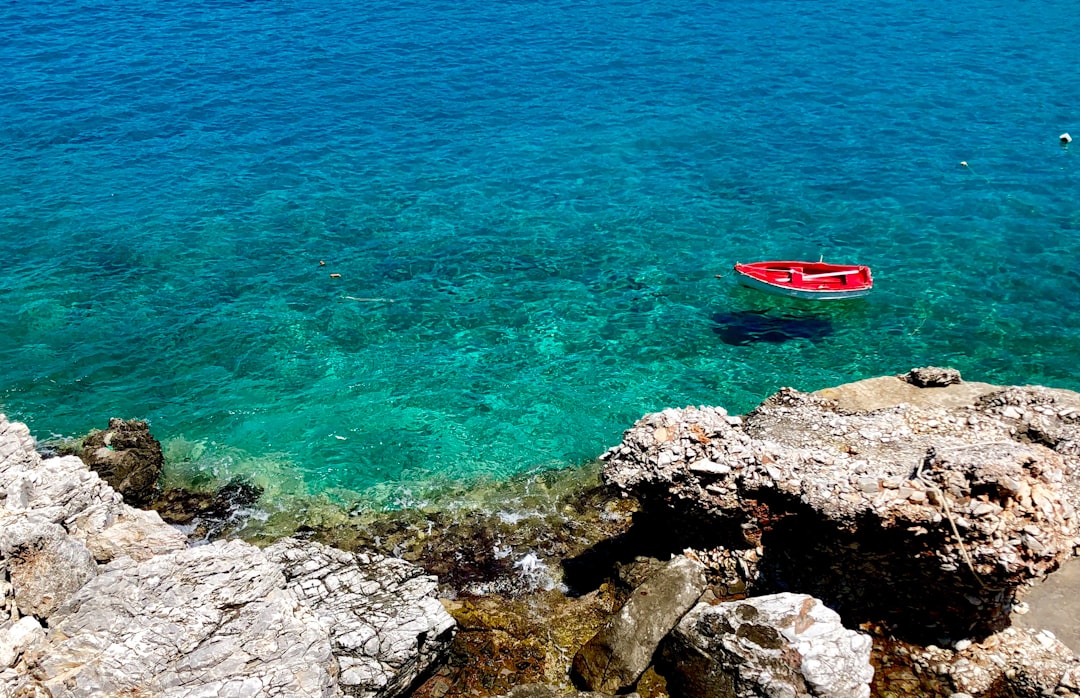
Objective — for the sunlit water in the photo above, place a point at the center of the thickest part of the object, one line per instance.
(527, 204)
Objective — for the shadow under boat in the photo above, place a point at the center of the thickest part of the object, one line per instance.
(744, 327)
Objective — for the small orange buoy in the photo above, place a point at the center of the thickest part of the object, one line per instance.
(335, 276)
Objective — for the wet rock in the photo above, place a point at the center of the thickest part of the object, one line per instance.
(127, 457)
(780, 645)
(614, 659)
(537, 690)
(505, 641)
(932, 377)
(45, 566)
(207, 516)
(905, 514)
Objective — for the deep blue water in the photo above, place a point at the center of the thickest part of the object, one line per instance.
(527, 203)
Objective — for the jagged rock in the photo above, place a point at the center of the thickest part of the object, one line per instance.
(779, 645)
(208, 515)
(932, 377)
(1015, 662)
(127, 457)
(385, 624)
(930, 518)
(164, 619)
(614, 659)
(45, 566)
(64, 491)
(213, 620)
(227, 619)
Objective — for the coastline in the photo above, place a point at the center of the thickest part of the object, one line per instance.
(529, 570)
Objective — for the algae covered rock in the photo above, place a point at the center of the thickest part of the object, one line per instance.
(127, 457)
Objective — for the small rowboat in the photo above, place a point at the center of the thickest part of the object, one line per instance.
(809, 280)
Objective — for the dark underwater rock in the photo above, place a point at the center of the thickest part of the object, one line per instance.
(207, 515)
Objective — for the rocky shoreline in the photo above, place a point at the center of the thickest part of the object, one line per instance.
(875, 539)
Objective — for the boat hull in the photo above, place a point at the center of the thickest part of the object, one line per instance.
(807, 280)
(788, 292)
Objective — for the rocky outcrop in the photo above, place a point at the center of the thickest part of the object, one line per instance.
(102, 599)
(213, 620)
(928, 514)
(779, 645)
(127, 457)
(614, 659)
(63, 492)
(1014, 662)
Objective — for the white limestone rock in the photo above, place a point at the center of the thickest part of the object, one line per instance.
(779, 645)
(213, 620)
(385, 623)
(64, 491)
(162, 619)
(20, 640)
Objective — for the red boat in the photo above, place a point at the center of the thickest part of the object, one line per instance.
(811, 280)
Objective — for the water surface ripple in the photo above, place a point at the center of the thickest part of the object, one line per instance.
(527, 203)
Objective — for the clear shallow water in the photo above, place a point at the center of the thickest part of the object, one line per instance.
(526, 204)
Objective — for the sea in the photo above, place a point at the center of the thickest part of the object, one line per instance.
(371, 251)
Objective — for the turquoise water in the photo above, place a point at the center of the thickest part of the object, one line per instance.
(527, 204)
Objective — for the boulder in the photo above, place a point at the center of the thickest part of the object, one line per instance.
(385, 624)
(779, 645)
(930, 518)
(614, 659)
(127, 457)
(45, 565)
(932, 377)
(21, 641)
